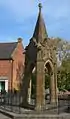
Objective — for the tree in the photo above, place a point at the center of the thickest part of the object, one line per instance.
(63, 61)
(64, 73)
(63, 49)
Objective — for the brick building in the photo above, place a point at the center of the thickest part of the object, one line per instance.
(11, 65)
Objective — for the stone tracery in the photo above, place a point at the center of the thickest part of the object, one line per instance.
(40, 52)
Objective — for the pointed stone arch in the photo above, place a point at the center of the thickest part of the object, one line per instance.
(39, 54)
(49, 61)
(49, 65)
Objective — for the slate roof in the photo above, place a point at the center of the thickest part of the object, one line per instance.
(40, 28)
(6, 50)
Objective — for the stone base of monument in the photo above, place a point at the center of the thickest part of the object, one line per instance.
(27, 106)
(50, 112)
(41, 115)
(48, 109)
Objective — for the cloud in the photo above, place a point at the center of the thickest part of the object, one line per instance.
(18, 18)
(20, 9)
(60, 8)
(24, 8)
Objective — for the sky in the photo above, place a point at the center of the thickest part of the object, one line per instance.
(18, 19)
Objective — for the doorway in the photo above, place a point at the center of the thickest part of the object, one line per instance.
(2, 86)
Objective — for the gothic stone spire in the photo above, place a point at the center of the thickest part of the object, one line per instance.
(40, 32)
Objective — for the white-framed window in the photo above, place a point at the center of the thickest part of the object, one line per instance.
(3, 83)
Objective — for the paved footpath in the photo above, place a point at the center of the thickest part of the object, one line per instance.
(3, 116)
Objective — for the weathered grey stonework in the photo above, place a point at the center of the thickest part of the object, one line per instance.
(42, 116)
(40, 53)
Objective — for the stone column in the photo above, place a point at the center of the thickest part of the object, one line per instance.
(40, 86)
(52, 89)
(29, 92)
(56, 88)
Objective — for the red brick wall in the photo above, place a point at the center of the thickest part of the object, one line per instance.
(18, 64)
(5, 70)
(13, 68)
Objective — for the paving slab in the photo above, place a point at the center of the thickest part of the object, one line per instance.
(34, 115)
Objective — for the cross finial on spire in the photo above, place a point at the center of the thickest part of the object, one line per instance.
(40, 6)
